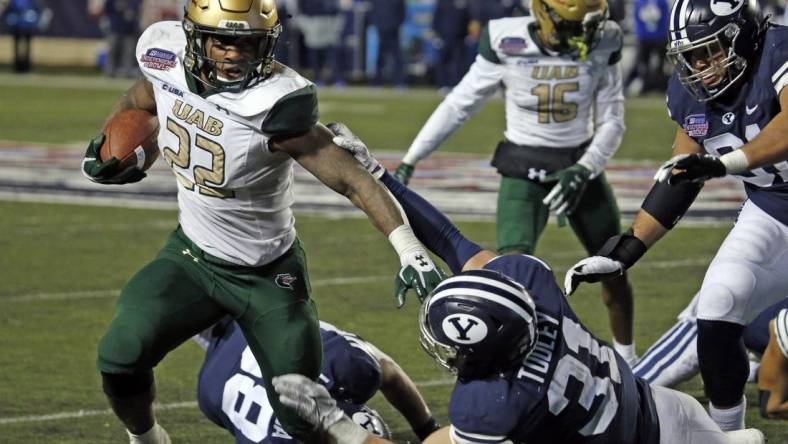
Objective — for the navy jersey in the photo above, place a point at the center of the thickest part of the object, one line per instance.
(756, 334)
(231, 390)
(572, 388)
(721, 128)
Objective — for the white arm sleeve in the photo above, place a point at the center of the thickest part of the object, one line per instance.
(481, 82)
(609, 121)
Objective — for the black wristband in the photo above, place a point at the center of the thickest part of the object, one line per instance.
(668, 203)
(427, 428)
(624, 248)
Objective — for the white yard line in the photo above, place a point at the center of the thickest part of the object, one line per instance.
(159, 407)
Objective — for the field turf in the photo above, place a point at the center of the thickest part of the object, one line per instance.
(62, 267)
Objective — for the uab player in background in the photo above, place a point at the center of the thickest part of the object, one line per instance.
(728, 96)
(561, 75)
(232, 121)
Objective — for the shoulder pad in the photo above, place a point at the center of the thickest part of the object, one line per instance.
(510, 37)
(491, 407)
(160, 52)
(775, 50)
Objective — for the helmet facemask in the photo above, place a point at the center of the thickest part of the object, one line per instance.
(574, 38)
(722, 68)
(260, 43)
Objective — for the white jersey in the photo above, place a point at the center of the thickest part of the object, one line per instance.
(550, 100)
(234, 195)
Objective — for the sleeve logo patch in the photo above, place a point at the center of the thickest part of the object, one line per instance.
(285, 280)
(513, 45)
(696, 125)
(160, 59)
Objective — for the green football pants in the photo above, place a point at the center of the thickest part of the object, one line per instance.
(521, 215)
(184, 291)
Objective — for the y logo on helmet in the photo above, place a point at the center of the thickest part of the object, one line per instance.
(726, 7)
(464, 328)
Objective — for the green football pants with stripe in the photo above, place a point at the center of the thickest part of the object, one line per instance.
(184, 291)
(521, 215)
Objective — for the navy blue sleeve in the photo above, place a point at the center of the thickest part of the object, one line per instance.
(775, 50)
(676, 98)
(488, 411)
(350, 372)
(756, 334)
(432, 227)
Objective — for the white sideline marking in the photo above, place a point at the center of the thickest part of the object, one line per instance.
(158, 407)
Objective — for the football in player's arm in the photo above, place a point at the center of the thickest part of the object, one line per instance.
(232, 121)
(522, 358)
(728, 96)
(231, 390)
(560, 72)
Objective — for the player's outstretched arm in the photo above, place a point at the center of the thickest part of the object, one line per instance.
(401, 392)
(773, 372)
(336, 168)
(662, 208)
(107, 171)
(430, 225)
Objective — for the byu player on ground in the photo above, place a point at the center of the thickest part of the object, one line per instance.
(728, 96)
(232, 121)
(232, 394)
(528, 370)
(673, 358)
(561, 74)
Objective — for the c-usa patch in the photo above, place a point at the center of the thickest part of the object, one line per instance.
(513, 45)
(696, 125)
(161, 59)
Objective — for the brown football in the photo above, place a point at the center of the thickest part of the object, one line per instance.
(130, 136)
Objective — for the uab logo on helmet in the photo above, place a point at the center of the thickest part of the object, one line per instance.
(464, 328)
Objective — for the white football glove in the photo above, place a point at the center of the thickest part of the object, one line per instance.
(310, 400)
(345, 139)
(591, 269)
(666, 169)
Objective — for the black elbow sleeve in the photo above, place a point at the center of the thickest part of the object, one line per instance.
(668, 203)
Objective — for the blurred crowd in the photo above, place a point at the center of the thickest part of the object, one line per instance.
(383, 42)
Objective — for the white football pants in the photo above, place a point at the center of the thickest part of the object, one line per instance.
(749, 272)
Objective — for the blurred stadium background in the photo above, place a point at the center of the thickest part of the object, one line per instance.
(67, 246)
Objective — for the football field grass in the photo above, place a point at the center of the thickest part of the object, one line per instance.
(62, 266)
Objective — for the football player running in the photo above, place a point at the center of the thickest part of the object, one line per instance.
(561, 74)
(527, 369)
(728, 96)
(232, 121)
(232, 394)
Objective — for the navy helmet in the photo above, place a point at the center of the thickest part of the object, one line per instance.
(713, 42)
(478, 323)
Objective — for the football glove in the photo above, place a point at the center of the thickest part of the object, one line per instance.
(419, 273)
(345, 139)
(310, 400)
(566, 194)
(616, 255)
(404, 172)
(107, 172)
(692, 167)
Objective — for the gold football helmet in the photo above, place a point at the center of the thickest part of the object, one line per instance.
(570, 27)
(227, 19)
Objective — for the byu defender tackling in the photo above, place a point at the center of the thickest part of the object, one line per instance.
(528, 370)
(232, 121)
(231, 389)
(728, 97)
(561, 74)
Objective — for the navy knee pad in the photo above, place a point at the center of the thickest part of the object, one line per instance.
(123, 385)
(723, 361)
